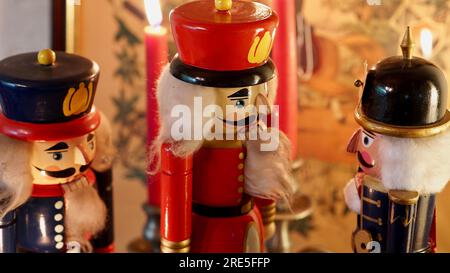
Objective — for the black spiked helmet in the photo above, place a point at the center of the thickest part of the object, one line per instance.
(404, 96)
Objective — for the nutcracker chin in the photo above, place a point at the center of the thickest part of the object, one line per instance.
(85, 213)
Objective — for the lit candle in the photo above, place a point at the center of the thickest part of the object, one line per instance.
(284, 54)
(426, 42)
(157, 56)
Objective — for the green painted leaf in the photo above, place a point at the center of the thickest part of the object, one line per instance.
(128, 69)
(125, 33)
(125, 106)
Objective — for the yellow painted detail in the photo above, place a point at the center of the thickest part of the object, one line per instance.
(77, 101)
(260, 49)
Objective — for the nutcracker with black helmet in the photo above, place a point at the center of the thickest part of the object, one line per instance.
(56, 156)
(218, 190)
(403, 150)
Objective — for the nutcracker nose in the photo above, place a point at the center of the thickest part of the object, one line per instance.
(80, 158)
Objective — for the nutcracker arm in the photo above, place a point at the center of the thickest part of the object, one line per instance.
(268, 209)
(176, 201)
(401, 220)
(352, 194)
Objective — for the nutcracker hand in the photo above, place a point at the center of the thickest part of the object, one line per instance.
(351, 196)
(359, 177)
(73, 247)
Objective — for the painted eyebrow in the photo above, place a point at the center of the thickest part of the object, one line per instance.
(90, 137)
(241, 93)
(59, 146)
(372, 135)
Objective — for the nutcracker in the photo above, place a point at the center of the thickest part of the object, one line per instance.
(56, 158)
(403, 150)
(218, 190)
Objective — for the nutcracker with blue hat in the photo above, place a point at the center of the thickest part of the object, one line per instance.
(56, 156)
(403, 150)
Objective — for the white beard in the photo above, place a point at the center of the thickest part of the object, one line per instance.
(415, 164)
(105, 150)
(171, 92)
(85, 213)
(268, 173)
(15, 176)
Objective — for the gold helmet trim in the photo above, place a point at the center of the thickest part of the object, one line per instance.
(402, 131)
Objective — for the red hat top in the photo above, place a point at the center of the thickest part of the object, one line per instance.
(223, 35)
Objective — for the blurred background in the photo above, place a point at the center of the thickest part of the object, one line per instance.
(336, 41)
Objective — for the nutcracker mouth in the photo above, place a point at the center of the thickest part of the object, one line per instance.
(363, 162)
(242, 122)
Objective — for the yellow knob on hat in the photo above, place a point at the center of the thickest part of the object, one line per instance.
(223, 5)
(46, 57)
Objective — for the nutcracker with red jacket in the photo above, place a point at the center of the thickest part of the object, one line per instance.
(403, 149)
(55, 164)
(218, 190)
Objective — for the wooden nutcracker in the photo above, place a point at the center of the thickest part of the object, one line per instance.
(56, 156)
(218, 192)
(403, 151)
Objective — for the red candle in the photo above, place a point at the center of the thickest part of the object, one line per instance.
(157, 56)
(284, 54)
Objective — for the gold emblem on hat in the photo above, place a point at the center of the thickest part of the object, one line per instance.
(260, 49)
(78, 100)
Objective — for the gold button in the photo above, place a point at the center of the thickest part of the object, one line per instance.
(241, 190)
(58, 217)
(59, 238)
(241, 155)
(241, 166)
(59, 205)
(59, 228)
(241, 178)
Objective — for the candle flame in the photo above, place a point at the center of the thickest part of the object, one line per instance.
(153, 11)
(426, 42)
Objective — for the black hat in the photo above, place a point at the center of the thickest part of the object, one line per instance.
(47, 95)
(222, 79)
(404, 96)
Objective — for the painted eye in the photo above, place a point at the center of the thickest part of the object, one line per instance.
(240, 103)
(367, 141)
(57, 156)
(91, 145)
